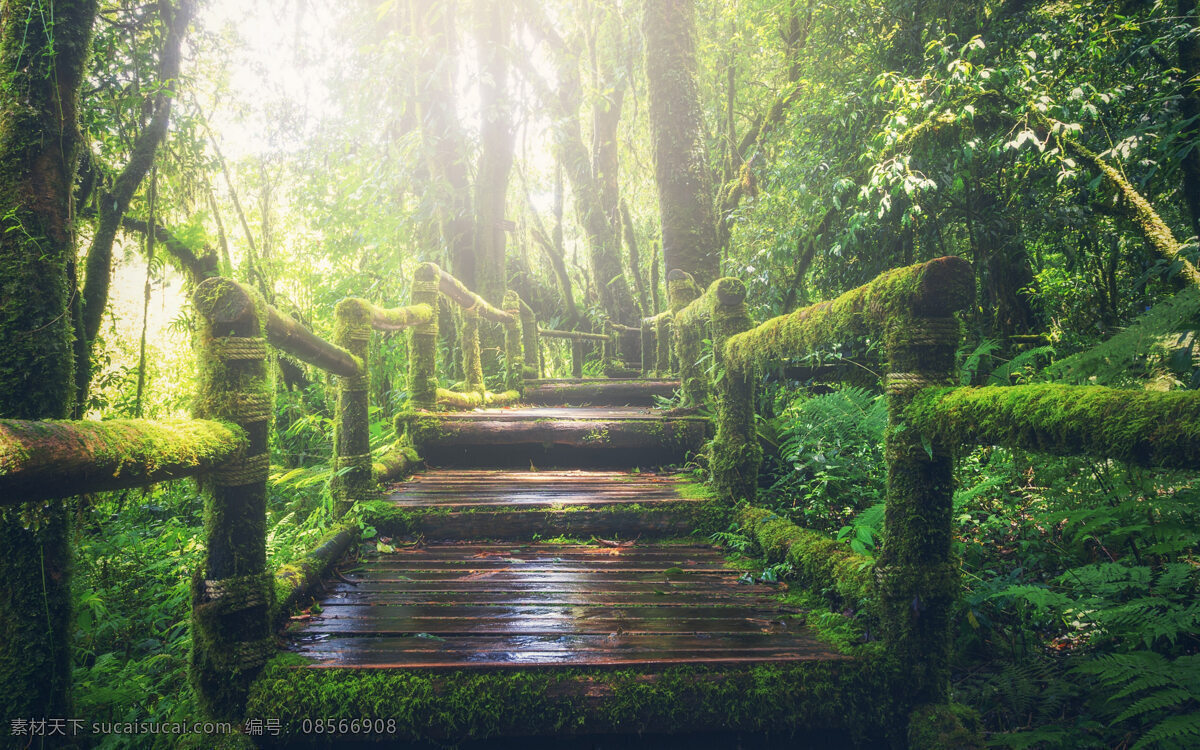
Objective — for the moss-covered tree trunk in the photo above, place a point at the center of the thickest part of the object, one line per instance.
(685, 189)
(42, 61)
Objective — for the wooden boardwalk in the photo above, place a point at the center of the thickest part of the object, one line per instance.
(479, 588)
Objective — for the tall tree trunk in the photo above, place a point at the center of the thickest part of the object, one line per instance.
(493, 21)
(685, 189)
(41, 67)
(446, 143)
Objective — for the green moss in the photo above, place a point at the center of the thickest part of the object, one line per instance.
(927, 290)
(1143, 427)
(822, 564)
(422, 357)
(464, 705)
(514, 354)
(469, 341)
(232, 594)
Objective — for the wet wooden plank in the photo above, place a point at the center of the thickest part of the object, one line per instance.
(696, 586)
(581, 650)
(561, 412)
(553, 623)
(546, 564)
(509, 611)
(536, 598)
(668, 519)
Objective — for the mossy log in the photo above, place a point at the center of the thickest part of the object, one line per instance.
(297, 580)
(935, 289)
(286, 333)
(1142, 427)
(232, 592)
(43, 460)
(395, 462)
(475, 399)
(422, 347)
(824, 565)
(529, 341)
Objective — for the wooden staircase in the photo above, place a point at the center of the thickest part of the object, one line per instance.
(505, 599)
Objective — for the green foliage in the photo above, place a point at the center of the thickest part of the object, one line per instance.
(829, 466)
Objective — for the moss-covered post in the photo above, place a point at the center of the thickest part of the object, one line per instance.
(351, 427)
(529, 342)
(736, 453)
(916, 573)
(472, 361)
(681, 291)
(514, 355)
(576, 358)
(647, 348)
(662, 345)
(422, 348)
(232, 593)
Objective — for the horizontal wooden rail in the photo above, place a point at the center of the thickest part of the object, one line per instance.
(228, 302)
(551, 333)
(457, 292)
(286, 334)
(43, 460)
(385, 318)
(626, 329)
(935, 289)
(1143, 427)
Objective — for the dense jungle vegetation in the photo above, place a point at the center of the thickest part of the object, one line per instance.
(576, 151)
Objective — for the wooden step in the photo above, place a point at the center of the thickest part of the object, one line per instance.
(477, 504)
(557, 437)
(537, 639)
(621, 612)
(598, 391)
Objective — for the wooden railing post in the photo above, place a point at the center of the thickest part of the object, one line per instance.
(681, 290)
(471, 357)
(647, 348)
(422, 357)
(514, 356)
(736, 453)
(576, 358)
(662, 345)
(529, 342)
(351, 428)
(916, 573)
(232, 593)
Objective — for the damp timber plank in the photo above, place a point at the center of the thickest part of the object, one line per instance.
(490, 606)
(559, 437)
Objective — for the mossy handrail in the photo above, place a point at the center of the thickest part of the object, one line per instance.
(520, 332)
(1148, 428)
(914, 580)
(41, 460)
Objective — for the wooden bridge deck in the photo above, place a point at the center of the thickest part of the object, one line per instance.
(521, 605)
(475, 604)
(467, 574)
